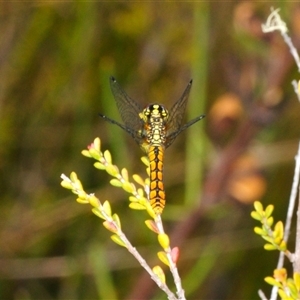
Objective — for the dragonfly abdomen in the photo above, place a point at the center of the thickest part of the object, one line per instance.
(157, 194)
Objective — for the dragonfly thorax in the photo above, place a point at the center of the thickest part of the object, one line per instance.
(155, 117)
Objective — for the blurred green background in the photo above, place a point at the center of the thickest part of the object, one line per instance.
(55, 61)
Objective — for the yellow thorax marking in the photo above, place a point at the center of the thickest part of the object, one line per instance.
(154, 112)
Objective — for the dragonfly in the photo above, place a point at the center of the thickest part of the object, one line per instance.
(154, 128)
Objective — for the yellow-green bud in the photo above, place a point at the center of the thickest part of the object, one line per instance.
(158, 271)
(164, 240)
(163, 257)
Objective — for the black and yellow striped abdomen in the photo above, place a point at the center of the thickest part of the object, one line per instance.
(157, 193)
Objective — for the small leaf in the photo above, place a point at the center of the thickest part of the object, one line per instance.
(268, 239)
(164, 240)
(112, 170)
(128, 187)
(137, 206)
(144, 201)
(107, 157)
(158, 271)
(269, 210)
(118, 240)
(73, 177)
(116, 182)
(82, 195)
(255, 215)
(98, 213)
(150, 211)
(292, 287)
(78, 185)
(95, 153)
(148, 171)
(86, 153)
(94, 201)
(283, 295)
(145, 161)
(297, 280)
(140, 192)
(163, 257)
(97, 144)
(147, 182)
(278, 230)
(99, 166)
(116, 218)
(282, 246)
(138, 179)
(67, 185)
(82, 201)
(124, 174)
(269, 247)
(277, 241)
(152, 226)
(133, 199)
(258, 207)
(270, 221)
(270, 280)
(110, 226)
(259, 231)
(107, 208)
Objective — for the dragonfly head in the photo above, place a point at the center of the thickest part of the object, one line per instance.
(154, 112)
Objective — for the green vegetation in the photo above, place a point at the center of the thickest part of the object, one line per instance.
(55, 63)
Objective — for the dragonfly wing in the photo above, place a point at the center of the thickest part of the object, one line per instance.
(171, 137)
(128, 109)
(127, 129)
(176, 115)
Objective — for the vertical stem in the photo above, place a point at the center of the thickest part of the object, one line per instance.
(195, 145)
(297, 248)
(287, 228)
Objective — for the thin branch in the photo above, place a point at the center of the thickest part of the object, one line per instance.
(273, 23)
(173, 266)
(292, 200)
(296, 264)
(261, 295)
(75, 185)
(290, 213)
(296, 86)
(144, 264)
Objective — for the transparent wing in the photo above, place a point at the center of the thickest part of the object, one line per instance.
(171, 137)
(128, 108)
(176, 115)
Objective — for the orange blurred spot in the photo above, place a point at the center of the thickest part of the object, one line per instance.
(245, 19)
(226, 106)
(242, 14)
(247, 184)
(247, 189)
